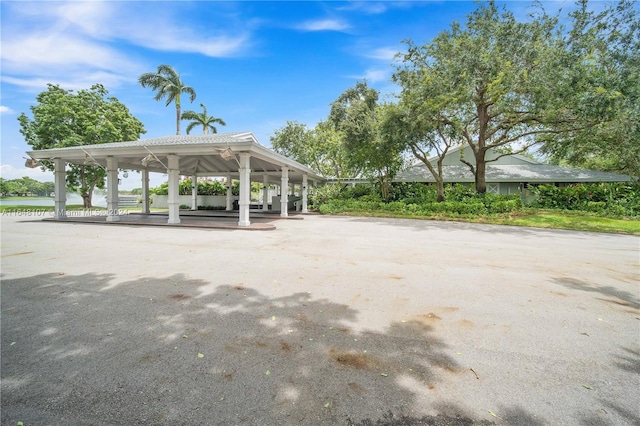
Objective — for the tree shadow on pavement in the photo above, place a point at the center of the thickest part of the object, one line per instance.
(625, 298)
(88, 349)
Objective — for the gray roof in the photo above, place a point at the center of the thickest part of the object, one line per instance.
(174, 140)
(198, 154)
(535, 172)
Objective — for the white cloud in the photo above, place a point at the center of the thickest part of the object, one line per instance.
(5, 110)
(323, 25)
(383, 54)
(51, 51)
(375, 75)
(366, 7)
(81, 43)
(9, 172)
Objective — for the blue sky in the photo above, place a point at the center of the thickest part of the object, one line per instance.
(253, 64)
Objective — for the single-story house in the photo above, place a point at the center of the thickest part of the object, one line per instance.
(507, 174)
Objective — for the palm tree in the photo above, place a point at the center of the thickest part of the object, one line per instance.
(202, 119)
(166, 81)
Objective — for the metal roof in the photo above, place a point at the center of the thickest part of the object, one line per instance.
(534, 172)
(201, 154)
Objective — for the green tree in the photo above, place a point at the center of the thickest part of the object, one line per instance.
(608, 43)
(501, 82)
(63, 118)
(167, 83)
(406, 124)
(5, 187)
(202, 119)
(319, 148)
(33, 186)
(373, 146)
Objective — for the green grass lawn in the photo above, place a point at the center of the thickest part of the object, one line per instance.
(532, 218)
(27, 208)
(24, 198)
(575, 221)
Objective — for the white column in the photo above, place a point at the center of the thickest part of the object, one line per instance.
(229, 194)
(284, 188)
(145, 192)
(305, 187)
(194, 192)
(60, 187)
(174, 190)
(265, 193)
(112, 190)
(245, 189)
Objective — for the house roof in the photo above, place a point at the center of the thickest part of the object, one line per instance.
(533, 172)
(520, 158)
(199, 154)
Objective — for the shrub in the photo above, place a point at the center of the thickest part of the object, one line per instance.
(615, 199)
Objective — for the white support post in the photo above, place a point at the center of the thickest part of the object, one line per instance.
(229, 194)
(173, 173)
(265, 193)
(305, 187)
(245, 189)
(145, 192)
(194, 192)
(284, 198)
(112, 190)
(60, 187)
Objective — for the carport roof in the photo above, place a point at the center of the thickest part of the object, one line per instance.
(199, 154)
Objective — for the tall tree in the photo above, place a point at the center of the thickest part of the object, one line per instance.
(422, 139)
(167, 83)
(202, 119)
(372, 147)
(319, 148)
(63, 118)
(610, 43)
(507, 82)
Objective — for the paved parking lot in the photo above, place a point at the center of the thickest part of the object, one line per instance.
(326, 320)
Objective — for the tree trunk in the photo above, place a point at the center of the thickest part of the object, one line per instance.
(177, 118)
(86, 199)
(480, 177)
(86, 195)
(483, 124)
(440, 197)
(440, 180)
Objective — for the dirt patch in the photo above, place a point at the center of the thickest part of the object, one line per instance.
(429, 318)
(618, 302)
(465, 323)
(179, 297)
(357, 388)
(17, 254)
(351, 359)
(285, 346)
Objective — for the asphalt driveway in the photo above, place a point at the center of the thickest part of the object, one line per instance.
(326, 320)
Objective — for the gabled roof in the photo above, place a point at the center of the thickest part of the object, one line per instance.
(532, 173)
(199, 154)
(453, 151)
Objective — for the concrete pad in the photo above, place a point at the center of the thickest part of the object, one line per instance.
(326, 320)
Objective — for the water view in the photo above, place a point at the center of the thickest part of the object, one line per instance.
(98, 200)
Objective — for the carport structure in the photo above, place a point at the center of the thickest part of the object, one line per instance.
(231, 155)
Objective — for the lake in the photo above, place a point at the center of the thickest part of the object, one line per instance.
(98, 201)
